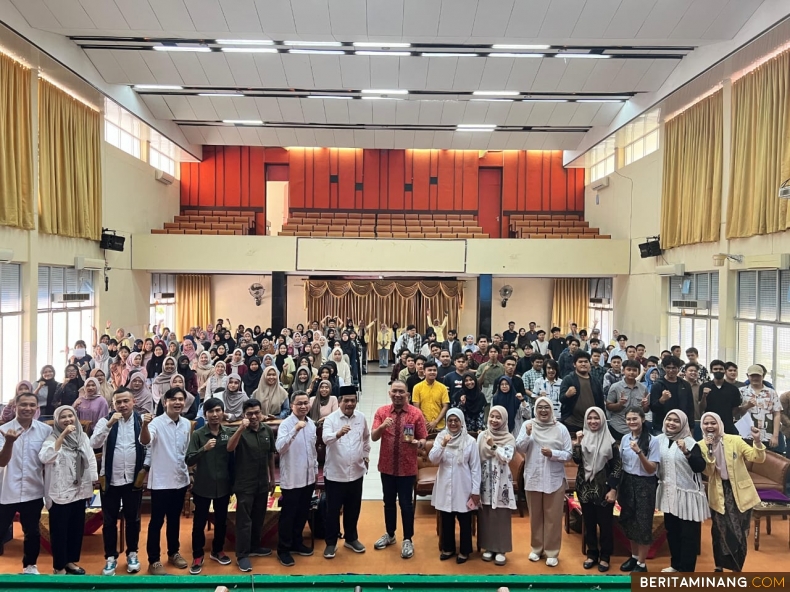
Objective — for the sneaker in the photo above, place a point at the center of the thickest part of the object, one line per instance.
(534, 557)
(407, 549)
(669, 570)
(157, 569)
(220, 558)
(31, 570)
(500, 559)
(384, 542)
(109, 567)
(261, 552)
(244, 564)
(132, 562)
(303, 550)
(552, 561)
(286, 559)
(355, 546)
(177, 561)
(197, 566)
(487, 556)
(329, 552)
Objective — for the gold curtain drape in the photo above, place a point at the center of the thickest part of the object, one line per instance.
(691, 187)
(193, 302)
(760, 159)
(70, 188)
(571, 302)
(16, 146)
(385, 301)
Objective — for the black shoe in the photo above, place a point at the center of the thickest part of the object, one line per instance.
(286, 559)
(629, 565)
(446, 556)
(590, 563)
(261, 552)
(75, 571)
(461, 559)
(303, 550)
(603, 568)
(640, 568)
(244, 564)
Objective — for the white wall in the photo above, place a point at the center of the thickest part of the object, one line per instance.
(531, 301)
(230, 298)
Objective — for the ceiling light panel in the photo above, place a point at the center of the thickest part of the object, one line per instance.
(515, 55)
(448, 55)
(249, 49)
(396, 54)
(494, 93)
(313, 43)
(243, 121)
(374, 91)
(317, 51)
(157, 87)
(180, 48)
(381, 45)
(245, 42)
(512, 46)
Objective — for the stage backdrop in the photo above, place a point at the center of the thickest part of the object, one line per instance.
(386, 301)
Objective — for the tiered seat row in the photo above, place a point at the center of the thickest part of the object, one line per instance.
(210, 222)
(552, 226)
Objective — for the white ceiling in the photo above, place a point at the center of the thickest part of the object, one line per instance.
(653, 23)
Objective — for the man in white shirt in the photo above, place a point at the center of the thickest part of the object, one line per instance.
(347, 440)
(22, 480)
(168, 436)
(410, 340)
(123, 458)
(620, 348)
(296, 439)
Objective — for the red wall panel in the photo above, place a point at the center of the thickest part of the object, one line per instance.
(346, 178)
(397, 176)
(421, 170)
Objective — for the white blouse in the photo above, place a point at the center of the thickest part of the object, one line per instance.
(496, 480)
(541, 473)
(60, 472)
(456, 479)
(680, 491)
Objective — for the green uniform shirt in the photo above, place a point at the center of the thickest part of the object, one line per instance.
(212, 467)
(252, 460)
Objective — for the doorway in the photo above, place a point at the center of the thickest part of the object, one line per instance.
(490, 201)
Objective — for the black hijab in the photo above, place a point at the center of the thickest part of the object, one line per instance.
(332, 367)
(154, 365)
(475, 399)
(507, 400)
(252, 378)
(184, 369)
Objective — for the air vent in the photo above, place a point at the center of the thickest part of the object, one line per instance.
(164, 295)
(690, 304)
(62, 298)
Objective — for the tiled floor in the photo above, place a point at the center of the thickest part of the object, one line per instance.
(374, 395)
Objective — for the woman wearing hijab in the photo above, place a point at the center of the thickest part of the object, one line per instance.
(46, 387)
(496, 446)
(350, 350)
(285, 364)
(101, 358)
(69, 389)
(252, 377)
(203, 371)
(118, 372)
(154, 365)
(640, 456)
(268, 360)
(189, 375)
(91, 405)
(304, 362)
(68, 486)
(133, 364)
(105, 388)
(651, 376)
(236, 364)
(233, 397)
(273, 397)
(323, 402)
(143, 401)
(188, 350)
(681, 494)
(522, 341)
(329, 372)
(546, 445)
(174, 349)
(147, 351)
(598, 457)
(250, 352)
(9, 411)
(218, 379)
(191, 403)
(515, 404)
(318, 355)
(161, 384)
(472, 402)
(731, 492)
(219, 354)
(457, 484)
(343, 369)
(302, 381)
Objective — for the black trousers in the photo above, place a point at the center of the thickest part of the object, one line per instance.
(348, 496)
(683, 537)
(200, 518)
(597, 517)
(66, 527)
(402, 489)
(165, 503)
(293, 516)
(448, 531)
(29, 517)
(111, 501)
(250, 514)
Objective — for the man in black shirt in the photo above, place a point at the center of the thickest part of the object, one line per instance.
(516, 381)
(510, 335)
(721, 397)
(454, 380)
(445, 365)
(670, 392)
(557, 344)
(532, 334)
(419, 374)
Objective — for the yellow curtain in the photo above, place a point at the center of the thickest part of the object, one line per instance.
(760, 159)
(70, 189)
(193, 302)
(385, 301)
(691, 187)
(16, 146)
(571, 302)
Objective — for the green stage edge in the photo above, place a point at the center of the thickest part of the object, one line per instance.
(387, 583)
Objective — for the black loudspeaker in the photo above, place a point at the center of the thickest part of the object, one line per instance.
(111, 241)
(651, 248)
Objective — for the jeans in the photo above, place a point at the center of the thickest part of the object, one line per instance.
(199, 520)
(66, 527)
(250, 514)
(111, 507)
(402, 489)
(293, 516)
(348, 496)
(165, 503)
(29, 517)
(384, 358)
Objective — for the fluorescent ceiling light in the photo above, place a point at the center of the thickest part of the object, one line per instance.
(397, 54)
(200, 49)
(379, 44)
(245, 41)
(477, 125)
(516, 55)
(494, 100)
(314, 43)
(374, 91)
(475, 129)
(589, 56)
(329, 97)
(318, 51)
(249, 49)
(243, 121)
(220, 95)
(449, 55)
(158, 87)
(545, 100)
(600, 100)
(381, 99)
(512, 46)
(495, 93)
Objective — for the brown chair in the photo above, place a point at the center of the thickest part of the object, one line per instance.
(426, 472)
(517, 471)
(771, 474)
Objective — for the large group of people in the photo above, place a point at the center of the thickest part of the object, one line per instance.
(215, 409)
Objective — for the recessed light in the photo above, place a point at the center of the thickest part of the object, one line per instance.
(220, 95)
(329, 97)
(158, 87)
(199, 49)
(245, 41)
(394, 54)
(249, 49)
(318, 51)
(589, 56)
(313, 43)
(379, 44)
(243, 121)
(512, 46)
(495, 93)
(375, 91)
(449, 55)
(515, 55)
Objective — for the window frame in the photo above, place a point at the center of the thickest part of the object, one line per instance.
(708, 318)
(11, 310)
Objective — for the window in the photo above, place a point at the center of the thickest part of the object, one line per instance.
(122, 129)
(601, 309)
(601, 160)
(163, 301)
(162, 153)
(63, 317)
(695, 326)
(159, 161)
(640, 137)
(10, 328)
(763, 319)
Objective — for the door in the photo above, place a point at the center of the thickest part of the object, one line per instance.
(490, 201)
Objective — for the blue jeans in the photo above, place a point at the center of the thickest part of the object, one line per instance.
(384, 358)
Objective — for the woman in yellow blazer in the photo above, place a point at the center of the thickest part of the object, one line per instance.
(731, 492)
(384, 340)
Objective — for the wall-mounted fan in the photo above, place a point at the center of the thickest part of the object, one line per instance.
(505, 292)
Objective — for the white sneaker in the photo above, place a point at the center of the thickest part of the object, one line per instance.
(534, 557)
(487, 556)
(31, 570)
(552, 561)
(500, 559)
(132, 563)
(109, 567)
(669, 570)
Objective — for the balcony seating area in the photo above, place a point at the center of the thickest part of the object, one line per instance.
(211, 222)
(552, 226)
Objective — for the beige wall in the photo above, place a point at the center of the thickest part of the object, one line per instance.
(297, 313)
(531, 301)
(230, 297)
